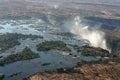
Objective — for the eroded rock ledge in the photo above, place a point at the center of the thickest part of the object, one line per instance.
(109, 71)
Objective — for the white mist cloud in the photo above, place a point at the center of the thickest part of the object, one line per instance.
(56, 6)
(93, 35)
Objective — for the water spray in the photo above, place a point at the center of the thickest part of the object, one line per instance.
(94, 36)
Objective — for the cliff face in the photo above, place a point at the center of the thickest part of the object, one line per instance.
(110, 71)
(101, 72)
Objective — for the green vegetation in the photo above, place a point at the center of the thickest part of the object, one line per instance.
(65, 34)
(46, 63)
(91, 51)
(67, 70)
(26, 54)
(14, 74)
(10, 40)
(7, 41)
(48, 45)
(98, 61)
(1, 76)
